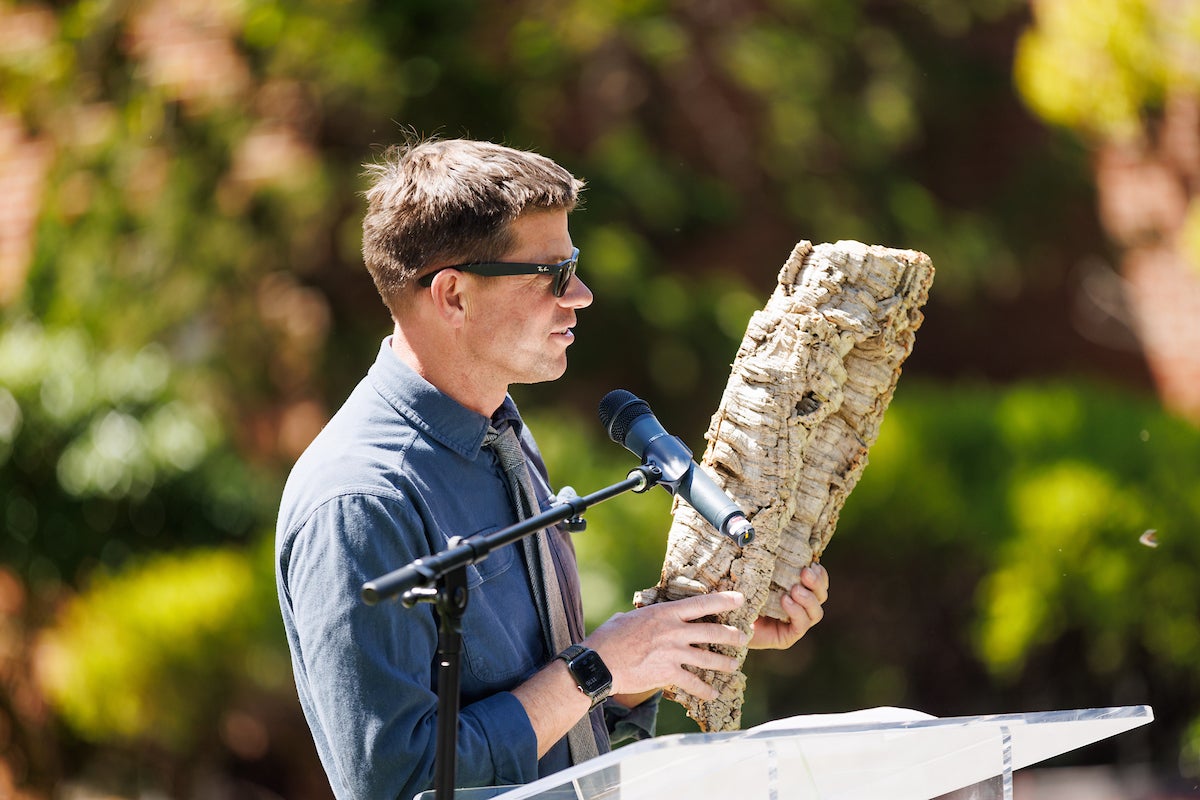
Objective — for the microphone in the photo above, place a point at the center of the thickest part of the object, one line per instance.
(630, 423)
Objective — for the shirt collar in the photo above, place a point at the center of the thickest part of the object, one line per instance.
(429, 409)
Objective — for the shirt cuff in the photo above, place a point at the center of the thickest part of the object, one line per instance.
(631, 724)
(501, 720)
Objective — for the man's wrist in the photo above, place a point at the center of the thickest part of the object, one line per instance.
(589, 672)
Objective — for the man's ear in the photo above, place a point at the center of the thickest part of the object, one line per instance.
(448, 295)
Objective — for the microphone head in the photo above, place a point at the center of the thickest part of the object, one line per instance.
(618, 411)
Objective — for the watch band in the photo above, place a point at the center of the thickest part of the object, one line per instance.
(589, 671)
(572, 652)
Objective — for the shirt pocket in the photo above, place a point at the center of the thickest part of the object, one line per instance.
(498, 562)
(502, 637)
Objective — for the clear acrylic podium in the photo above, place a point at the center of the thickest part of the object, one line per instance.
(879, 753)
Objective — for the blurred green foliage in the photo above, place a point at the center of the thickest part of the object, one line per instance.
(156, 654)
(1047, 490)
(1109, 69)
(194, 304)
(103, 453)
(1100, 65)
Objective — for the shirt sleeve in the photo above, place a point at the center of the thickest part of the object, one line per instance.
(632, 724)
(365, 673)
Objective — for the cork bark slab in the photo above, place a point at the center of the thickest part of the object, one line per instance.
(806, 395)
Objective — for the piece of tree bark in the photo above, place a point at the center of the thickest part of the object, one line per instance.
(806, 395)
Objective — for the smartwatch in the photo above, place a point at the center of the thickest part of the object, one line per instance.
(590, 674)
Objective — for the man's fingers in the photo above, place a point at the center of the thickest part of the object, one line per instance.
(816, 578)
(715, 633)
(703, 658)
(704, 605)
(801, 600)
(691, 683)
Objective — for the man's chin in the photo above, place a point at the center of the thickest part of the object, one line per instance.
(550, 373)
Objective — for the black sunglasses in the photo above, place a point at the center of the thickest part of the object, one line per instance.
(562, 271)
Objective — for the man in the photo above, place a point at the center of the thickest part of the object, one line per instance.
(469, 247)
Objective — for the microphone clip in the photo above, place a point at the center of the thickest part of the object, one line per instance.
(649, 476)
(568, 496)
(670, 458)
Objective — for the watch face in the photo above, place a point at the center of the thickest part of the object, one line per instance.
(589, 669)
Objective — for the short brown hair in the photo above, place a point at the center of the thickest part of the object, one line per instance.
(433, 203)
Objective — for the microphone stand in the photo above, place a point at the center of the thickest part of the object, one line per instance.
(441, 579)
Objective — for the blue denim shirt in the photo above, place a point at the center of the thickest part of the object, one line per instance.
(397, 472)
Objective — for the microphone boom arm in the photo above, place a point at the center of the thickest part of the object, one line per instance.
(413, 580)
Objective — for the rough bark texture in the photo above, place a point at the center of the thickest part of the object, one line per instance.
(806, 395)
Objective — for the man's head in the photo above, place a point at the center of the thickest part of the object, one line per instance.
(437, 203)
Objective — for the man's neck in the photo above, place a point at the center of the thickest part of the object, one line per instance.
(440, 370)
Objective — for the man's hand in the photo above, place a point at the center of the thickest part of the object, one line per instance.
(802, 604)
(646, 648)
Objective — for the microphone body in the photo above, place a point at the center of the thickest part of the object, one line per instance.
(630, 423)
